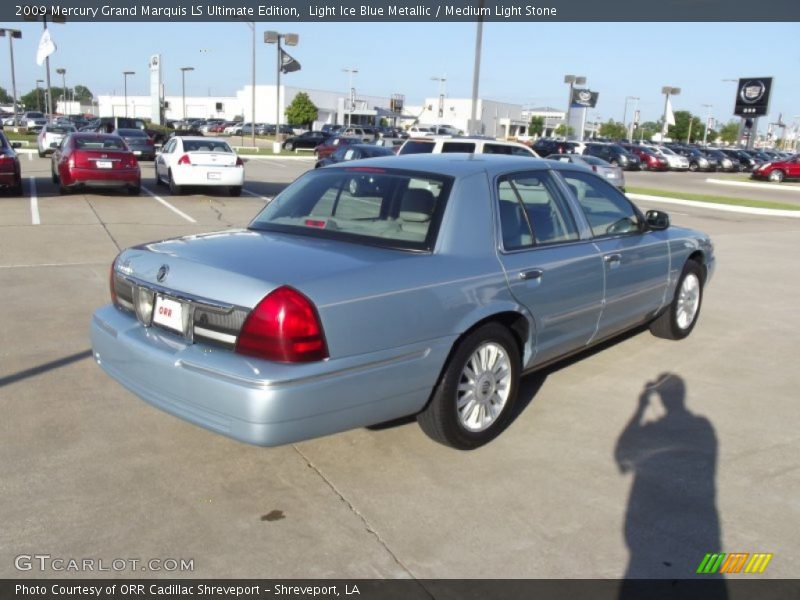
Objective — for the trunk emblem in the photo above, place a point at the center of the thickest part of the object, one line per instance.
(162, 273)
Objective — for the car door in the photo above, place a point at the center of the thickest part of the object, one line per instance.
(793, 167)
(163, 159)
(635, 259)
(550, 269)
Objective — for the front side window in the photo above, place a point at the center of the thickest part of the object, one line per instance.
(389, 208)
(532, 211)
(606, 209)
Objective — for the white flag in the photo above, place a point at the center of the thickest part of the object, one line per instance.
(46, 47)
(670, 114)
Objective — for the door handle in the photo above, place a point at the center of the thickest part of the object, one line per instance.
(530, 274)
(612, 258)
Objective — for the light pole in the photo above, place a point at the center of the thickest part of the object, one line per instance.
(63, 72)
(708, 118)
(183, 89)
(291, 39)
(38, 95)
(350, 72)
(125, 86)
(625, 115)
(252, 26)
(12, 34)
(572, 80)
(441, 81)
(668, 91)
(476, 73)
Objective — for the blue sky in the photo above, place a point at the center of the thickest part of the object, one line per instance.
(522, 62)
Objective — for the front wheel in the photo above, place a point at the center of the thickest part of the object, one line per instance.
(680, 317)
(693, 167)
(174, 188)
(776, 176)
(474, 399)
(288, 146)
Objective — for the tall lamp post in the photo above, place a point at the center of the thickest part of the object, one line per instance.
(125, 87)
(38, 95)
(708, 118)
(63, 72)
(572, 80)
(668, 91)
(350, 72)
(441, 81)
(625, 115)
(291, 39)
(12, 34)
(183, 89)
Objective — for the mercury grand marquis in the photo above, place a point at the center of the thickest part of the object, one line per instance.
(416, 285)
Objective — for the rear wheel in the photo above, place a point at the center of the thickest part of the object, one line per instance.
(473, 401)
(693, 166)
(174, 188)
(680, 317)
(235, 190)
(134, 190)
(16, 189)
(776, 176)
(53, 174)
(63, 190)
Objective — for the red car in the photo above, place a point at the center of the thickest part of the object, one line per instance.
(10, 172)
(95, 160)
(779, 170)
(326, 148)
(650, 160)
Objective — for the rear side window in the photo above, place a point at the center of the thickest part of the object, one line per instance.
(505, 149)
(417, 147)
(533, 212)
(467, 147)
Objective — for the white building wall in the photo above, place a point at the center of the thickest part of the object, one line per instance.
(198, 107)
(495, 119)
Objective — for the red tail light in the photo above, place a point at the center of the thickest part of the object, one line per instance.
(149, 142)
(239, 161)
(594, 168)
(283, 327)
(184, 160)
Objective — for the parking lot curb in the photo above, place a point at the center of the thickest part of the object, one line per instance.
(751, 210)
(762, 186)
(278, 157)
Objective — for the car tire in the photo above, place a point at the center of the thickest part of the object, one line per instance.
(135, 190)
(53, 175)
(693, 167)
(491, 353)
(776, 176)
(614, 162)
(159, 181)
(174, 188)
(64, 190)
(681, 315)
(41, 154)
(235, 190)
(288, 146)
(16, 189)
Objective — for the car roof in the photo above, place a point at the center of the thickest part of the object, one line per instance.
(456, 164)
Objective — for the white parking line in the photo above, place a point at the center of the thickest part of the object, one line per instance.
(30, 156)
(254, 195)
(178, 212)
(35, 220)
(272, 161)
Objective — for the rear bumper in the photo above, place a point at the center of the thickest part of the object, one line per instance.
(98, 178)
(259, 402)
(203, 175)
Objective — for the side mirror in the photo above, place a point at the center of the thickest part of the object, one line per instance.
(657, 220)
(55, 145)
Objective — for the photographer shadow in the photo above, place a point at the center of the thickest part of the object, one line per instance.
(671, 520)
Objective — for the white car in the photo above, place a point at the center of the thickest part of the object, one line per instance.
(675, 161)
(52, 134)
(199, 161)
(231, 129)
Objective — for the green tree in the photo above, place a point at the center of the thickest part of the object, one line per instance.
(729, 132)
(536, 126)
(301, 111)
(4, 97)
(646, 130)
(681, 130)
(563, 130)
(613, 130)
(83, 94)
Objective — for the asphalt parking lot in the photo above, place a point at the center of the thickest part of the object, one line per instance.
(90, 471)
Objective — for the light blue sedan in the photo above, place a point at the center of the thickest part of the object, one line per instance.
(421, 284)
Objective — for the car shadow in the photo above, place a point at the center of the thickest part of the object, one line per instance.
(671, 521)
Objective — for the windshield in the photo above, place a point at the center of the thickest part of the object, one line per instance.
(665, 150)
(106, 143)
(394, 209)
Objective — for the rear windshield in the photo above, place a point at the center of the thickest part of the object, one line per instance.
(593, 160)
(389, 208)
(60, 129)
(205, 146)
(416, 147)
(108, 143)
